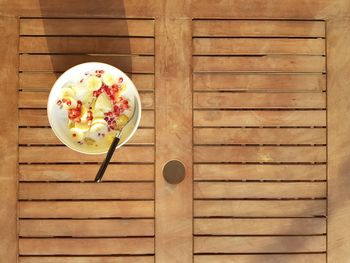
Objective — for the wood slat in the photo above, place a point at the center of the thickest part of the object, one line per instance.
(86, 27)
(259, 118)
(86, 228)
(39, 136)
(258, 136)
(271, 63)
(85, 191)
(58, 154)
(257, 28)
(257, 46)
(81, 259)
(258, 154)
(237, 190)
(30, 117)
(260, 226)
(211, 100)
(85, 246)
(44, 81)
(60, 63)
(82, 45)
(85, 209)
(260, 208)
(259, 172)
(85, 172)
(287, 244)
(283, 258)
(259, 82)
(28, 99)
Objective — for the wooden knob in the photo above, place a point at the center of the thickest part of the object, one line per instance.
(174, 172)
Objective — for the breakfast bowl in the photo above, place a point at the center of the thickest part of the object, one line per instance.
(90, 103)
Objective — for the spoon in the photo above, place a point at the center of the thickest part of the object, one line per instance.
(112, 147)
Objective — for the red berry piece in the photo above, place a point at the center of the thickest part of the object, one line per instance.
(120, 80)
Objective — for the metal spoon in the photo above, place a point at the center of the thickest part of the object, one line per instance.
(114, 144)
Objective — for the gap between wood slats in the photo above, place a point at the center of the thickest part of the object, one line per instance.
(87, 259)
(45, 136)
(85, 172)
(271, 258)
(228, 100)
(285, 136)
(260, 190)
(258, 28)
(44, 81)
(260, 226)
(87, 27)
(259, 82)
(257, 46)
(38, 118)
(260, 208)
(86, 191)
(86, 45)
(60, 63)
(86, 228)
(39, 100)
(86, 209)
(204, 172)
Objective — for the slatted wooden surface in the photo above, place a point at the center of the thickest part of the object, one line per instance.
(62, 212)
(259, 105)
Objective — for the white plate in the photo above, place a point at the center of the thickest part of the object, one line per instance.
(58, 118)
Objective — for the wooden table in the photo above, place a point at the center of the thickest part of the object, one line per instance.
(252, 96)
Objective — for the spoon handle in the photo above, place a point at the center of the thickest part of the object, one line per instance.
(105, 163)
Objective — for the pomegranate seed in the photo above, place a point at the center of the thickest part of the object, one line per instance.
(74, 135)
(69, 102)
(94, 93)
(106, 118)
(81, 80)
(64, 100)
(59, 102)
(120, 80)
(101, 71)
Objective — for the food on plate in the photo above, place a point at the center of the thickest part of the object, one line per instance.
(96, 107)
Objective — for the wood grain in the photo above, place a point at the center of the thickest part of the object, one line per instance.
(60, 63)
(85, 172)
(258, 136)
(258, 154)
(257, 46)
(217, 118)
(38, 81)
(259, 208)
(85, 246)
(8, 138)
(53, 154)
(217, 100)
(282, 258)
(259, 244)
(82, 259)
(271, 63)
(86, 209)
(238, 190)
(259, 82)
(258, 172)
(260, 226)
(86, 228)
(251, 28)
(83, 45)
(338, 137)
(85, 191)
(38, 117)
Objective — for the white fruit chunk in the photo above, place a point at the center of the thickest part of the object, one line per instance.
(109, 79)
(66, 92)
(93, 83)
(103, 103)
(82, 126)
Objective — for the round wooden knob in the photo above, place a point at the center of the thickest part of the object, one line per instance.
(174, 172)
